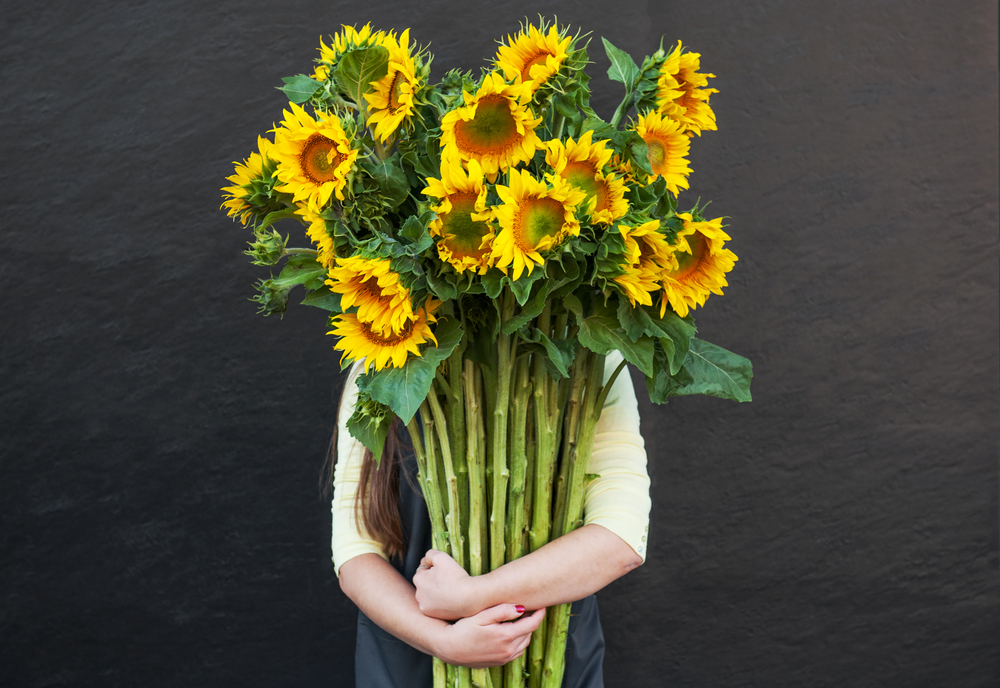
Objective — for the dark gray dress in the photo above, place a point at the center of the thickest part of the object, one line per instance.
(383, 661)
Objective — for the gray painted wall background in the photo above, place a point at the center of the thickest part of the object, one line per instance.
(160, 443)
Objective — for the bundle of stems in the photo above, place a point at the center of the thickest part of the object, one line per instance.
(503, 451)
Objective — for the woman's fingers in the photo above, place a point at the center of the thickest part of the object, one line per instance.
(493, 637)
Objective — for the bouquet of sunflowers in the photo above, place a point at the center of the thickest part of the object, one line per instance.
(482, 244)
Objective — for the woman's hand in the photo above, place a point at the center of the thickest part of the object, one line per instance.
(444, 589)
(486, 639)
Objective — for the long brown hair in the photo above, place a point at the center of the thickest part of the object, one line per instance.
(376, 503)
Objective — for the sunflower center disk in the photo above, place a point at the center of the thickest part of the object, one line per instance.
(395, 90)
(389, 339)
(583, 176)
(690, 262)
(657, 154)
(539, 218)
(492, 129)
(320, 158)
(370, 288)
(466, 233)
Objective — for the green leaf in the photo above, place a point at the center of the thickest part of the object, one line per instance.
(369, 424)
(493, 282)
(274, 217)
(573, 305)
(715, 372)
(358, 68)
(300, 88)
(325, 299)
(623, 68)
(404, 389)
(302, 270)
(601, 334)
(673, 329)
(442, 288)
(392, 181)
(413, 229)
(522, 286)
(560, 352)
(639, 154)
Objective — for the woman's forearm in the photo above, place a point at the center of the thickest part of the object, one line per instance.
(388, 599)
(565, 570)
(490, 637)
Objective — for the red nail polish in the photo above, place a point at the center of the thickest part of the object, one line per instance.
(519, 608)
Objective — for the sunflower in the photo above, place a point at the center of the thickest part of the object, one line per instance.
(314, 156)
(648, 255)
(464, 221)
(667, 147)
(320, 237)
(533, 57)
(360, 340)
(533, 218)
(683, 93)
(637, 284)
(348, 39)
(581, 163)
(646, 247)
(492, 128)
(702, 264)
(370, 284)
(392, 100)
(237, 196)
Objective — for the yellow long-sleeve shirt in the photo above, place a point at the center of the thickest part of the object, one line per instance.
(617, 500)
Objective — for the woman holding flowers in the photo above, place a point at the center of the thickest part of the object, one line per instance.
(492, 253)
(414, 595)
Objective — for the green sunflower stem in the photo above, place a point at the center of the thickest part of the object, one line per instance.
(429, 479)
(623, 109)
(579, 460)
(477, 468)
(557, 125)
(459, 428)
(501, 471)
(456, 536)
(514, 671)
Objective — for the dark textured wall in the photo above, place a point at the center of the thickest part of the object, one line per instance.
(160, 443)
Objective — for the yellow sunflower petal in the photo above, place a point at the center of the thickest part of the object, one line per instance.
(683, 93)
(533, 218)
(701, 268)
(370, 285)
(359, 340)
(314, 156)
(667, 147)
(493, 127)
(532, 57)
(393, 99)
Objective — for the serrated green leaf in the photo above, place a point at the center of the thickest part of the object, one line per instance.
(623, 68)
(493, 282)
(392, 183)
(715, 372)
(404, 389)
(369, 424)
(573, 305)
(602, 334)
(300, 88)
(302, 270)
(325, 299)
(675, 329)
(413, 228)
(274, 217)
(560, 353)
(358, 68)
